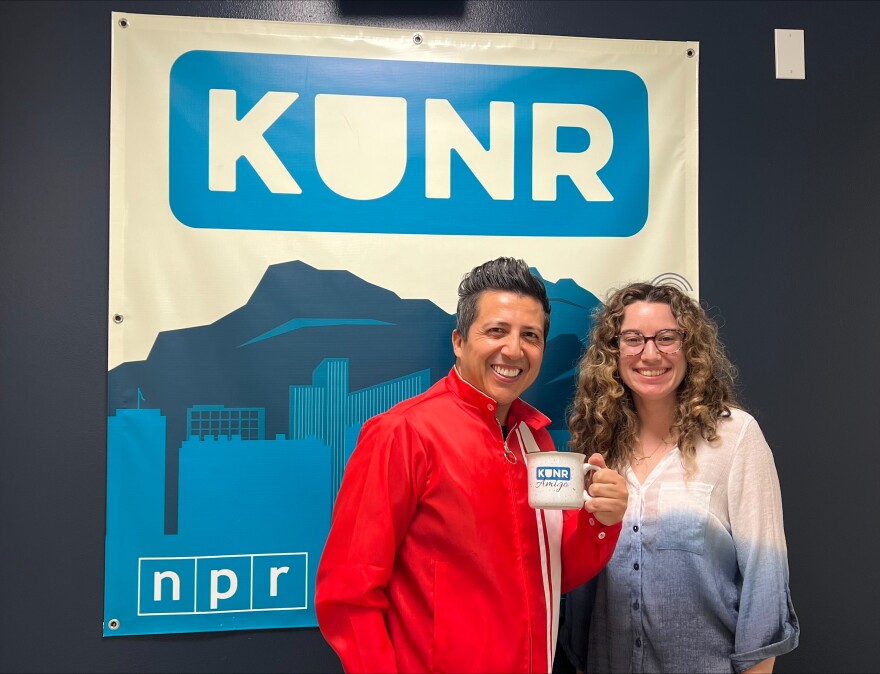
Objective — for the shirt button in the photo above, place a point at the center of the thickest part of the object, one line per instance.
(639, 643)
(490, 407)
(592, 522)
(636, 527)
(636, 605)
(636, 566)
(601, 535)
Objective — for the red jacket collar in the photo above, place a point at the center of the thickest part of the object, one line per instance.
(519, 410)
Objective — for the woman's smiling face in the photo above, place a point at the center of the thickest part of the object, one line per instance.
(651, 375)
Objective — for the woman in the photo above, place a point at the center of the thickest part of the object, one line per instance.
(699, 578)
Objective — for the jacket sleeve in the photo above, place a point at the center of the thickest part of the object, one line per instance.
(587, 545)
(766, 622)
(378, 496)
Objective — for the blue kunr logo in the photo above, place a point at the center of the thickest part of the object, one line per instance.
(306, 143)
(553, 473)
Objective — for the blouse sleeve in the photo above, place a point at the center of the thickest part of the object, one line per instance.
(766, 625)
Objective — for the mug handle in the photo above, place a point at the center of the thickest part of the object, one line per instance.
(587, 468)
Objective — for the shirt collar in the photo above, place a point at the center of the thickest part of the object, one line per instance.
(519, 410)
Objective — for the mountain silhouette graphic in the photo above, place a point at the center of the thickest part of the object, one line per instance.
(296, 317)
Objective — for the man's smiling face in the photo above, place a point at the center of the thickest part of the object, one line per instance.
(504, 347)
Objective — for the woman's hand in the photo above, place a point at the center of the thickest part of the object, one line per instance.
(763, 667)
(609, 492)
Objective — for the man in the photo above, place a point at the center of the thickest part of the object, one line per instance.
(435, 561)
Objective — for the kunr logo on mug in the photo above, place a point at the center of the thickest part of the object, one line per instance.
(558, 480)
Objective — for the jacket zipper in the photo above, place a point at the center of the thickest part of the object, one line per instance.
(508, 454)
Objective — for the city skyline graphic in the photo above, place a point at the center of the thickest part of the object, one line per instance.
(227, 445)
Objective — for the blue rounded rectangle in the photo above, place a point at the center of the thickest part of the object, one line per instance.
(303, 143)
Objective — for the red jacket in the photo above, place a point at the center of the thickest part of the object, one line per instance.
(435, 561)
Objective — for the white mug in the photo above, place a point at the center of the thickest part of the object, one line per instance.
(558, 480)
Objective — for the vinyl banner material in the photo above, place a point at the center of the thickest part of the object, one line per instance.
(292, 207)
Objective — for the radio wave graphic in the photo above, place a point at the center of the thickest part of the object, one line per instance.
(673, 279)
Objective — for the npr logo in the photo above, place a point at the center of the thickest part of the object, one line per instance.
(553, 473)
(263, 141)
(263, 582)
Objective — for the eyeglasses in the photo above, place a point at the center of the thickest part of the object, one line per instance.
(632, 342)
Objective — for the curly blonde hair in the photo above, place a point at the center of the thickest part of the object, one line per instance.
(603, 416)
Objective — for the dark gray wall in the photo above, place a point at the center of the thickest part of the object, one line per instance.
(789, 185)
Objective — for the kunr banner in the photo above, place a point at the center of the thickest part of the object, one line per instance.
(292, 207)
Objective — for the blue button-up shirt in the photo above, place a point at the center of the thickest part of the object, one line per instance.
(699, 579)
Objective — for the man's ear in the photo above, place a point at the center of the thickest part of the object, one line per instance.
(457, 341)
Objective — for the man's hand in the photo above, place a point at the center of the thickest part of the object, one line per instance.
(609, 492)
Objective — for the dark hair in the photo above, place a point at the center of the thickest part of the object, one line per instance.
(603, 416)
(504, 274)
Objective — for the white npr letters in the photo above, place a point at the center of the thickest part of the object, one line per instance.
(216, 595)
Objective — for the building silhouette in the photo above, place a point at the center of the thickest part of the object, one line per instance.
(328, 411)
